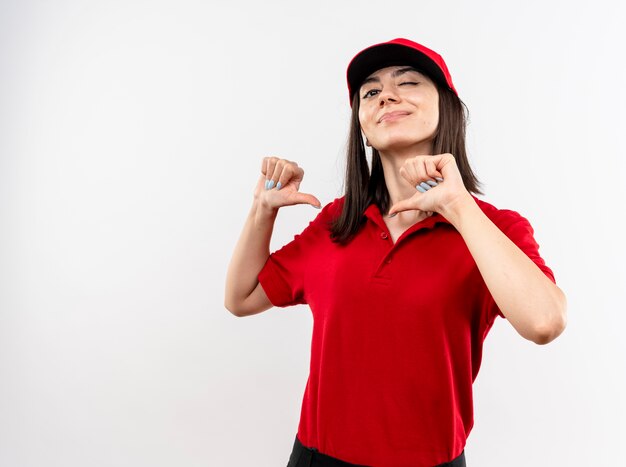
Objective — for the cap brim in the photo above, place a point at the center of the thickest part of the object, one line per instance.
(384, 55)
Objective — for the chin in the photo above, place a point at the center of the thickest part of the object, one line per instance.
(400, 144)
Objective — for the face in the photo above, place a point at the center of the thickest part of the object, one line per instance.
(399, 109)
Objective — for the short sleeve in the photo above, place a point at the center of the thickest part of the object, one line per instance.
(521, 233)
(283, 275)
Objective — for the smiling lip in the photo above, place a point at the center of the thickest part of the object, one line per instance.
(393, 115)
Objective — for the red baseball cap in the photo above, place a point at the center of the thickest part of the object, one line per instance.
(397, 52)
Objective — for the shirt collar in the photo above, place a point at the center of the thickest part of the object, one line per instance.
(372, 212)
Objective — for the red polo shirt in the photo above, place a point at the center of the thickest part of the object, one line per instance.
(398, 331)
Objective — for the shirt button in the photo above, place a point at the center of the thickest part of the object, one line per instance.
(384, 235)
(388, 261)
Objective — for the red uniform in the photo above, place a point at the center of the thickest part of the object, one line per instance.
(398, 331)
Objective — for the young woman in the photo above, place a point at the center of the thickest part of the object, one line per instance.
(404, 275)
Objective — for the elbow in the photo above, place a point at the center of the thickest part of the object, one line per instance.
(234, 309)
(242, 309)
(546, 335)
(554, 326)
(251, 304)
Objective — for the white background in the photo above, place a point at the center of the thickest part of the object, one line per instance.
(131, 135)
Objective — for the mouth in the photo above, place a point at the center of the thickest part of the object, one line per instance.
(391, 116)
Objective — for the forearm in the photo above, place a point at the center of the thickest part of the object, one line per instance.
(531, 302)
(250, 254)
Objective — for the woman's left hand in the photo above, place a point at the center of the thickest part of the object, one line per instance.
(422, 169)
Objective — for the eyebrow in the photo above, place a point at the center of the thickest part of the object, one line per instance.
(395, 74)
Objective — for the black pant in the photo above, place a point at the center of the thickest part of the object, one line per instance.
(302, 456)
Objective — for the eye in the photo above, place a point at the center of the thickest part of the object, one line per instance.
(408, 82)
(370, 93)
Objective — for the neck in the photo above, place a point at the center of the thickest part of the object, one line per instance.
(392, 160)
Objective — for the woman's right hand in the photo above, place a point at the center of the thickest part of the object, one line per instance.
(244, 295)
(279, 183)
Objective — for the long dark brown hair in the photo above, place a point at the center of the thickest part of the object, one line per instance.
(364, 186)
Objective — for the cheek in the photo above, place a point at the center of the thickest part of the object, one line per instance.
(433, 116)
(364, 122)
(362, 118)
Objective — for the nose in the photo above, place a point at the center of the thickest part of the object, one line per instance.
(387, 95)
